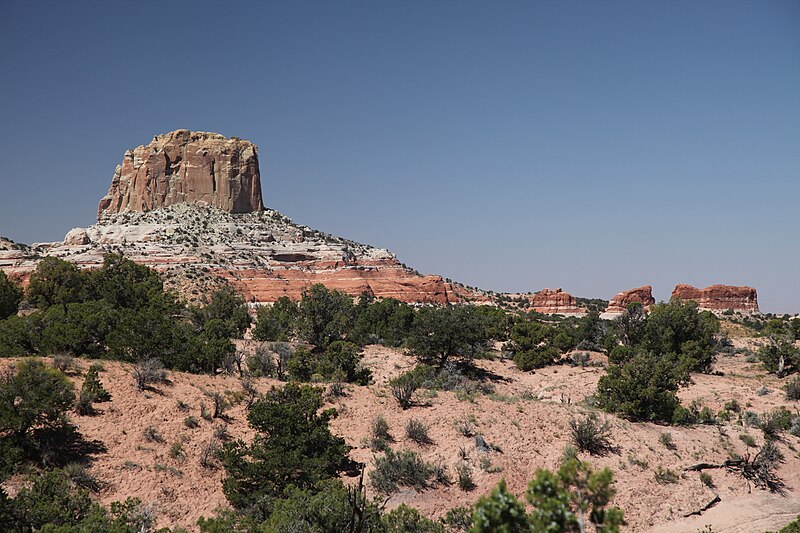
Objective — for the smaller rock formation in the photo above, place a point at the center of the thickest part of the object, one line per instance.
(720, 298)
(183, 166)
(555, 302)
(619, 303)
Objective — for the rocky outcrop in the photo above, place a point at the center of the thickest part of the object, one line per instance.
(720, 298)
(555, 302)
(186, 167)
(263, 254)
(619, 303)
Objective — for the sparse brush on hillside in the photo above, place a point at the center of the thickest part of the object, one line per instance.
(590, 435)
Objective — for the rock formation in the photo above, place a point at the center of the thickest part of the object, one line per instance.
(554, 302)
(186, 167)
(189, 205)
(620, 302)
(720, 298)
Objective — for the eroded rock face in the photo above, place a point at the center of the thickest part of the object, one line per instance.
(619, 303)
(720, 297)
(263, 254)
(186, 167)
(555, 302)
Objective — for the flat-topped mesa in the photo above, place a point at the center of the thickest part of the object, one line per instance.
(720, 298)
(184, 166)
(554, 302)
(619, 303)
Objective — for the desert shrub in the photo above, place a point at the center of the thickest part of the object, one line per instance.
(417, 431)
(33, 396)
(56, 282)
(249, 390)
(387, 321)
(466, 427)
(751, 419)
(278, 322)
(148, 372)
(575, 493)
(340, 360)
(665, 476)
(748, 440)
(532, 345)
(84, 405)
(792, 389)
(707, 480)
(219, 404)
(678, 327)
(590, 435)
(464, 476)
(176, 450)
(91, 391)
(210, 454)
(328, 506)
(261, 363)
(51, 500)
(780, 358)
(500, 511)
(381, 437)
(761, 468)
(405, 519)
(93, 385)
(191, 422)
(293, 446)
(151, 434)
(666, 440)
(64, 362)
(776, 422)
(459, 519)
(227, 308)
(441, 333)
(643, 388)
(403, 389)
(794, 429)
(404, 468)
(325, 316)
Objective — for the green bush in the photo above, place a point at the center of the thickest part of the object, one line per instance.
(404, 519)
(642, 389)
(10, 296)
(590, 435)
(792, 389)
(781, 358)
(325, 316)
(33, 396)
(278, 322)
(293, 446)
(441, 333)
(404, 468)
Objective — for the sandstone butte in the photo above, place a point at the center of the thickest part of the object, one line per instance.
(189, 205)
(184, 166)
(720, 297)
(555, 302)
(619, 303)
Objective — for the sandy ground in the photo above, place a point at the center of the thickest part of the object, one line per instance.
(527, 417)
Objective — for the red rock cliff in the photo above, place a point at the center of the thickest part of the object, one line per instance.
(642, 295)
(720, 297)
(186, 167)
(554, 302)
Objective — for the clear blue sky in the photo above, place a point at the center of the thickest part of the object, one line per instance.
(594, 146)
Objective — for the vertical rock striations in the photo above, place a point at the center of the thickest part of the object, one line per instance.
(182, 166)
